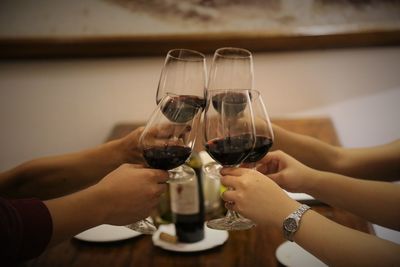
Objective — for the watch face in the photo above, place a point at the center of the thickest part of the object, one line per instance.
(290, 225)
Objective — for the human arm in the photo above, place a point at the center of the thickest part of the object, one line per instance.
(25, 229)
(380, 162)
(51, 177)
(375, 201)
(124, 196)
(260, 199)
(378, 202)
(375, 163)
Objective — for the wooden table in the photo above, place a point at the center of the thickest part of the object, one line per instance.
(255, 247)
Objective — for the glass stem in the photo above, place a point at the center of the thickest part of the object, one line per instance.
(252, 165)
(232, 215)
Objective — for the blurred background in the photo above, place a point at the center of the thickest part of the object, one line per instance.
(71, 70)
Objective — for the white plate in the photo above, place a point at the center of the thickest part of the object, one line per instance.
(107, 233)
(291, 254)
(212, 238)
(300, 196)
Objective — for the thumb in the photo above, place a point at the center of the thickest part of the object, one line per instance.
(269, 167)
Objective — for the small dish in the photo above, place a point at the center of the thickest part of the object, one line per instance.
(107, 233)
(291, 254)
(212, 238)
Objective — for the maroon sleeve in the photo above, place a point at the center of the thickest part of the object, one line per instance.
(25, 229)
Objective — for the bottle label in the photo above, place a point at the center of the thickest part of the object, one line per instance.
(185, 197)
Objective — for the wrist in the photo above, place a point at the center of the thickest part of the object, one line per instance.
(127, 150)
(292, 222)
(285, 209)
(75, 213)
(312, 180)
(98, 205)
(117, 152)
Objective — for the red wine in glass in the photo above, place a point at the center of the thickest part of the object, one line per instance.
(166, 157)
(232, 96)
(182, 108)
(261, 148)
(263, 129)
(231, 150)
(184, 75)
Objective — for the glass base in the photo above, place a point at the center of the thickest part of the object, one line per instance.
(144, 226)
(230, 224)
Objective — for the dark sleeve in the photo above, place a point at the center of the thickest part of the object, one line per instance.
(25, 229)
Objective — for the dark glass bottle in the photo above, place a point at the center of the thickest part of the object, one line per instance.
(187, 205)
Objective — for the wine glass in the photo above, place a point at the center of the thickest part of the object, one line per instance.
(167, 142)
(264, 133)
(231, 69)
(230, 136)
(183, 74)
(168, 138)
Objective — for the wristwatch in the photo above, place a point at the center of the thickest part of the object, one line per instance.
(292, 222)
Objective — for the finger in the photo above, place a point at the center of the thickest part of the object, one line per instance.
(271, 162)
(274, 167)
(273, 155)
(248, 165)
(160, 176)
(234, 171)
(228, 196)
(229, 181)
(183, 131)
(138, 131)
(137, 166)
(162, 188)
(269, 167)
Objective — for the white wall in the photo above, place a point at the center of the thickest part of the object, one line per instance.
(57, 106)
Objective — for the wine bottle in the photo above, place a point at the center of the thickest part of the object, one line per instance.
(187, 205)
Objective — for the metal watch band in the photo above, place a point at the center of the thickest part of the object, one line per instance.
(293, 220)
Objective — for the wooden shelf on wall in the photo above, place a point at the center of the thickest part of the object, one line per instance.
(207, 43)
